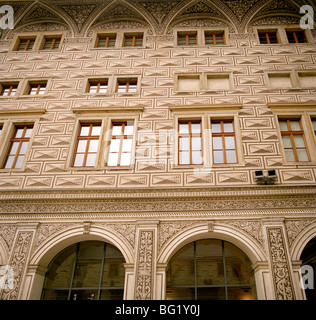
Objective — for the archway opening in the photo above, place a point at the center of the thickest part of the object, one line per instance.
(308, 258)
(210, 269)
(88, 270)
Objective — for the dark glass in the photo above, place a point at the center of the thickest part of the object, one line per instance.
(180, 294)
(217, 293)
(241, 293)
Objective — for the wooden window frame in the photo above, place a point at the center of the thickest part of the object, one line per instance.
(5, 86)
(28, 40)
(214, 34)
(133, 36)
(20, 141)
(223, 134)
(98, 83)
(187, 35)
(120, 137)
(107, 37)
(291, 134)
(52, 46)
(127, 82)
(88, 138)
(190, 135)
(267, 36)
(39, 86)
(295, 36)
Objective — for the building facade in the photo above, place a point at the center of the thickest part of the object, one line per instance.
(158, 150)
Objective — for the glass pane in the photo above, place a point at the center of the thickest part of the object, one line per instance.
(112, 294)
(84, 295)
(184, 157)
(295, 125)
(84, 131)
(299, 141)
(127, 145)
(302, 155)
(55, 295)
(241, 293)
(287, 141)
(19, 162)
(218, 157)
(228, 127)
(103, 88)
(78, 160)
(231, 156)
(115, 145)
(195, 127)
(196, 143)
(91, 157)
(28, 132)
(82, 144)
(209, 262)
(93, 145)
(216, 127)
(314, 124)
(9, 162)
(289, 154)
(14, 147)
(96, 130)
(217, 143)
(129, 129)
(230, 142)
(283, 126)
(19, 132)
(125, 159)
(87, 273)
(113, 159)
(211, 293)
(60, 270)
(196, 157)
(24, 147)
(183, 128)
(132, 87)
(184, 144)
(180, 294)
(117, 129)
(181, 267)
(238, 266)
(93, 88)
(91, 250)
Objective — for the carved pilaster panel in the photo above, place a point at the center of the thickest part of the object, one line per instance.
(18, 261)
(280, 265)
(144, 273)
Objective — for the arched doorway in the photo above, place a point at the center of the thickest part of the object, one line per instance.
(210, 269)
(88, 270)
(308, 257)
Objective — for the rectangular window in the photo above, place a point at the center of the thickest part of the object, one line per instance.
(7, 90)
(95, 86)
(293, 139)
(18, 147)
(214, 38)
(51, 43)
(25, 44)
(223, 141)
(105, 41)
(133, 40)
(126, 85)
(37, 88)
(87, 145)
(187, 38)
(120, 145)
(190, 142)
(296, 36)
(268, 37)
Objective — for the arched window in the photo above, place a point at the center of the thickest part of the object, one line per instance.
(90, 270)
(210, 270)
(308, 258)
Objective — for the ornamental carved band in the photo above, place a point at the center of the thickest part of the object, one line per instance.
(145, 266)
(280, 267)
(18, 261)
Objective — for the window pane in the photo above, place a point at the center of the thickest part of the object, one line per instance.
(196, 127)
(299, 141)
(314, 124)
(289, 154)
(127, 145)
(28, 133)
(14, 147)
(184, 144)
(113, 159)
(9, 162)
(115, 145)
(241, 293)
(112, 294)
(129, 129)
(302, 155)
(84, 131)
(87, 273)
(217, 143)
(231, 156)
(283, 125)
(24, 147)
(196, 143)
(82, 145)
(84, 295)
(180, 294)
(79, 160)
(90, 162)
(218, 157)
(228, 127)
(216, 127)
(230, 142)
(183, 128)
(125, 159)
(287, 141)
(117, 129)
(93, 145)
(196, 157)
(19, 162)
(295, 125)
(184, 157)
(211, 293)
(96, 130)
(19, 132)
